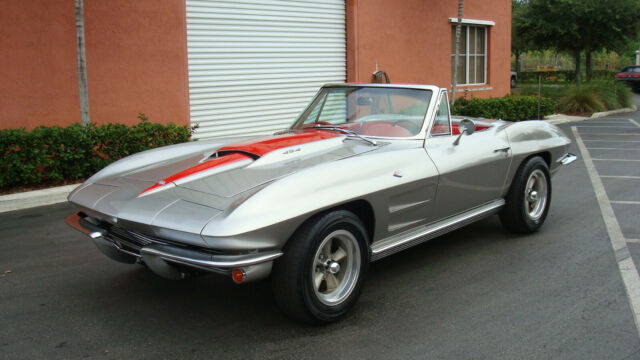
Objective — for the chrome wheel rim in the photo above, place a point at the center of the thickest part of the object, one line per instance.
(336, 267)
(535, 194)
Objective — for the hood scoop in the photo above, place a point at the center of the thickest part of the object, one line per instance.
(261, 147)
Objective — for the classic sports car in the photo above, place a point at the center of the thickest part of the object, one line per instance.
(365, 171)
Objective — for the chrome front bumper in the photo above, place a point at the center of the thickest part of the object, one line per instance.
(171, 261)
(567, 159)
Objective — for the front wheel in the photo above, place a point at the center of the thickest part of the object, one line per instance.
(320, 276)
(527, 203)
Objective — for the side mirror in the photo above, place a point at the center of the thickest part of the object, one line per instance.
(465, 126)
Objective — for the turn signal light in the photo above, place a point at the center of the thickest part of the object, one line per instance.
(238, 275)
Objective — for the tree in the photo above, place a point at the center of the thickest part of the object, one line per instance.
(578, 26)
(82, 64)
(519, 43)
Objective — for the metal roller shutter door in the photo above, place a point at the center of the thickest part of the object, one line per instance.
(254, 65)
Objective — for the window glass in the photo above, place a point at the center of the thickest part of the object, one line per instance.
(373, 111)
(442, 120)
(334, 108)
(472, 55)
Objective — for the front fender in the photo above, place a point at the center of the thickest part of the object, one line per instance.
(306, 192)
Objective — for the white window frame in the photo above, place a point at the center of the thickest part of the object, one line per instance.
(467, 25)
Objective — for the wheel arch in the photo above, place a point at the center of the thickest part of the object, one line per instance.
(545, 155)
(360, 207)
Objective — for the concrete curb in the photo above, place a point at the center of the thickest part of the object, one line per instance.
(613, 112)
(29, 199)
(557, 119)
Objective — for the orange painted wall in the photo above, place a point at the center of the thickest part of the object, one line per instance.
(136, 62)
(411, 41)
(38, 75)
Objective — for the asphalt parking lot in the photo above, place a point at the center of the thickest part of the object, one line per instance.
(566, 292)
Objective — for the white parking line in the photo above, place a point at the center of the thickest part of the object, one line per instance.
(606, 126)
(616, 159)
(635, 241)
(626, 266)
(608, 118)
(634, 122)
(620, 176)
(625, 202)
(631, 141)
(596, 148)
(608, 134)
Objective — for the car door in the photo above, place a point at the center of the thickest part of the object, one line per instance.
(471, 173)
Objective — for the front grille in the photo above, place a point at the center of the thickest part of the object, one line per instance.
(133, 241)
(134, 238)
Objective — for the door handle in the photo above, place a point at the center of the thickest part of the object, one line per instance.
(505, 149)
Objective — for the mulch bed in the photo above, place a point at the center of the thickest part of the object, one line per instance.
(20, 189)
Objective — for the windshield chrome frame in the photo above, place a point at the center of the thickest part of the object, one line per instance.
(426, 122)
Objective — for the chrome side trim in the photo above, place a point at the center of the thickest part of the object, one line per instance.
(399, 242)
(567, 159)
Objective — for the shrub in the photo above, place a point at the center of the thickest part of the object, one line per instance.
(594, 97)
(51, 155)
(513, 108)
(580, 100)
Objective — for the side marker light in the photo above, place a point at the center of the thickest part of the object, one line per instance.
(238, 275)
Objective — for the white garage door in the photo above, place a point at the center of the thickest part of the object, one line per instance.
(254, 64)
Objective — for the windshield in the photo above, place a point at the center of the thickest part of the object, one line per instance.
(372, 111)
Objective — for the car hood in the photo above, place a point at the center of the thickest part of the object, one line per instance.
(195, 187)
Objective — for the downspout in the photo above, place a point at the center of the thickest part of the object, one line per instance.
(82, 64)
(454, 81)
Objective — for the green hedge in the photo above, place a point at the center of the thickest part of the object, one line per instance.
(52, 155)
(513, 108)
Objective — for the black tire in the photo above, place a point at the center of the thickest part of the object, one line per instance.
(293, 273)
(521, 213)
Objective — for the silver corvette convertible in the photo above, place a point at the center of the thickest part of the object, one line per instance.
(365, 171)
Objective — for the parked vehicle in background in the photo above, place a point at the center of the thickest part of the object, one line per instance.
(514, 79)
(367, 170)
(630, 75)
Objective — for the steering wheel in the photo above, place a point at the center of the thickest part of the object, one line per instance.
(408, 125)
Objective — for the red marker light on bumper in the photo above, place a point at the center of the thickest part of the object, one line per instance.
(238, 275)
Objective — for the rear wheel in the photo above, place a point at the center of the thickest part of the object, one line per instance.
(529, 197)
(320, 276)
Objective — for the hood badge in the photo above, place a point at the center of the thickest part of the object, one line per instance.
(398, 173)
(291, 151)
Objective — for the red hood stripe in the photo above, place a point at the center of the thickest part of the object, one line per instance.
(258, 147)
(264, 146)
(223, 160)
